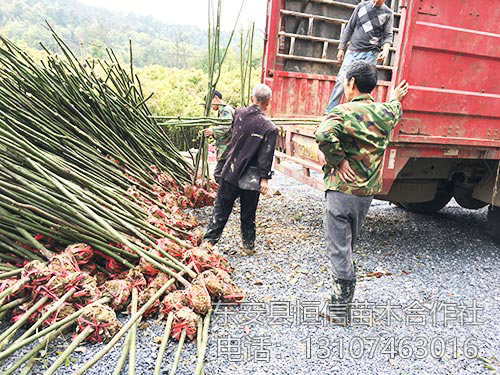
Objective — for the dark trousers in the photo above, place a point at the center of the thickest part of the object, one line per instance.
(227, 194)
(218, 170)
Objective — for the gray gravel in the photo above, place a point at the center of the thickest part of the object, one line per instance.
(444, 260)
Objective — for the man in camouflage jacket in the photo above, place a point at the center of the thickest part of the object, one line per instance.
(221, 134)
(353, 138)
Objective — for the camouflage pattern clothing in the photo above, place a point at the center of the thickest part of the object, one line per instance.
(222, 134)
(357, 131)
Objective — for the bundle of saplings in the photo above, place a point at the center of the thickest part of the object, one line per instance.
(92, 214)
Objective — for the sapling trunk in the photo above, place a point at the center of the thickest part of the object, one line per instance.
(178, 353)
(70, 349)
(164, 343)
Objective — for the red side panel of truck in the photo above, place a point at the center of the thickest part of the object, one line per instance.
(448, 50)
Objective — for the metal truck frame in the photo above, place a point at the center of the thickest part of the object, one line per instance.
(448, 142)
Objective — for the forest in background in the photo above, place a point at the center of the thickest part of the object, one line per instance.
(171, 59)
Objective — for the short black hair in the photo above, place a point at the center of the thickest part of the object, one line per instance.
(218, 94)
(365, 75)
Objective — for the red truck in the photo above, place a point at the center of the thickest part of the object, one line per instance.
(448, 143)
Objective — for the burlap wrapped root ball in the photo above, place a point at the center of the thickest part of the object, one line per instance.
(37, 271)
(64, 263)
(231, 291)
(185, 319)
(87, 290)
(147, 268)
(171, 247)
(102, 319)
(136, 279)
(220, 286)
(154, 285)
(198, 297)
(8, 283)
(174, 301)
(205, 258)
(119, 291)
(82, 252)
(62, 312)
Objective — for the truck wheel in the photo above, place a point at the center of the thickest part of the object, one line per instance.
(463, 196)
(493, 225)
(440, 200)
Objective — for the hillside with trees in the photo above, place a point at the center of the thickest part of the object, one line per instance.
(89, 30)
(171, 60)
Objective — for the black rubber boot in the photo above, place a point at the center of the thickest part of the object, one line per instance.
(337, 309)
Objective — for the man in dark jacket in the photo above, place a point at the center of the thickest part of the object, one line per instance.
(247, 170)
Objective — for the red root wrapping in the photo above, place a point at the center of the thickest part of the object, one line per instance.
(114, 266)
(205, 258)
(18, 312)
(146, 267)
(231, 292)
(62, 312)
(198, 297)
(103, 319)
(154, 285)
(185, 319)
(199, 197)
(136, 279)
(159, 280)
(90, 268)
(119, 291)
(169, 246)
(64, 263)
(196, 237)
(174, 301)
(8, 283)
(37, 271)
(86, 288)
(82, 252)
(55, 288)
(213, 283)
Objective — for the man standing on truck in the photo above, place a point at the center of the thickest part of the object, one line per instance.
(353, 139)
(247, 170)
(221, 134)
(369, 29)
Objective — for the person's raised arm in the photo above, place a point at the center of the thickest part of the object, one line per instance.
(393, 110)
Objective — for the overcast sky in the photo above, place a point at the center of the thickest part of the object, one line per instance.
(189, 12)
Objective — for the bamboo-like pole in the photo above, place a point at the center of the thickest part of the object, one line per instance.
(123, 330)
(164, 343)
(178, 353)
(47, 314)
(7, 334)
(69, 319)
(203, 346)
(123, 356)
(33, 352)
(133, 335)
(70, 349)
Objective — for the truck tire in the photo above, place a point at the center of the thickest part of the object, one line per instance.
(493, 225)
(440, 200)
(463, 196)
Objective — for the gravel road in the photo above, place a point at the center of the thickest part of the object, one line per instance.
(428, 297)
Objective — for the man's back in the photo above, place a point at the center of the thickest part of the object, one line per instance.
(359, 132)
(252, 144)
